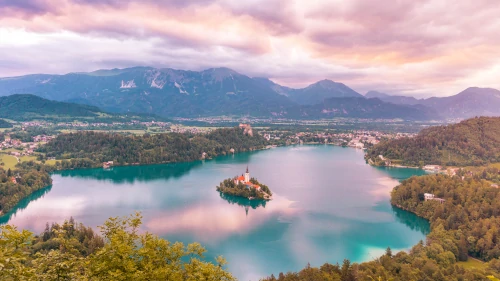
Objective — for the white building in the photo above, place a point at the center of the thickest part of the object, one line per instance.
(428, 196)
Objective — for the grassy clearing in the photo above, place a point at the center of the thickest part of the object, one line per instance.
(9, 150)
(472, 263)
(27, 158)
(50, 162)
(8, 160)
(496, 165)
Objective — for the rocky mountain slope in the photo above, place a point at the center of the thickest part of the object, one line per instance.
(222, 91)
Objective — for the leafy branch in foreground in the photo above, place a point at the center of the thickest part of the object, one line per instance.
(125, 254)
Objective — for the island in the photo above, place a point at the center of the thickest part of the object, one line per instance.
(244, 186)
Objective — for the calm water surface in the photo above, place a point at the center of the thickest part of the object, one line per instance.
(328, 205)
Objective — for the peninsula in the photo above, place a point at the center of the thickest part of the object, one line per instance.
(244, 186)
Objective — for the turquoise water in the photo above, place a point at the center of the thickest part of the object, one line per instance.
(328, 205)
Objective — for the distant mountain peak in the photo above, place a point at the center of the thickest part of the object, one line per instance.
(327, 84)
(376, 94)
(221, 73)
(479, 90)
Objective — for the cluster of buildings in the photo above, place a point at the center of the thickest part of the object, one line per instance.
(245, 180)
(42, 138)
(192, 130)
(357, 139)
(24, 148)
(86, 125)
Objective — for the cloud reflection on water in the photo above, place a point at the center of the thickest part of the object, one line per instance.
(210, 223)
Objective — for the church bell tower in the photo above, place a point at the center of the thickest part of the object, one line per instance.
(247, 176)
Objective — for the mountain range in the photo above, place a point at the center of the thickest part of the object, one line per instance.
(222, 91)
(471, 102)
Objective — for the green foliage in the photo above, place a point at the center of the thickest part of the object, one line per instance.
(25, 107)
(14, 255)
(5, 124)
(468, 222)
(29, 177)
(90, 149)
(122, 254)
(473, 142)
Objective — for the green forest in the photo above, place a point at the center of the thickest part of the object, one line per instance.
(28, 178)
(473, 142)
(26, 107)
(5, 124)
(90, 149)
(469, 216)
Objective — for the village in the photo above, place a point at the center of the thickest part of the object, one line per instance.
(18, 148)
(360, 139)
(13, 151)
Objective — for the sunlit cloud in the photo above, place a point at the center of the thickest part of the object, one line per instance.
(422, 47)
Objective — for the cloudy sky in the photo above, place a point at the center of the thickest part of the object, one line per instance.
(414, 47)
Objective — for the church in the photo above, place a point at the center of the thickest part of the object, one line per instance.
(245, 180)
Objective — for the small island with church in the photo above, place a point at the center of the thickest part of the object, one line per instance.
(244, 186)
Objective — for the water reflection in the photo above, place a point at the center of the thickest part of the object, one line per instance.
(130, 174)
(210, 222)
(23, 204)
(411, 220)
(242, 201)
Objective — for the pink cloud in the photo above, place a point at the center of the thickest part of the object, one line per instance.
(407, 44)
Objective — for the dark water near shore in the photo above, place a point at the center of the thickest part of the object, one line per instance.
(328, 205)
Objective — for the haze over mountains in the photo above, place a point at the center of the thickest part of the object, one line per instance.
(222, 91)
(471, 102)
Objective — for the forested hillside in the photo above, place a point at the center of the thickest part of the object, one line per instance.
(5, 124)
(88, 149)
(19, 183)
(26, 107)
(469, 218)
(471, 142)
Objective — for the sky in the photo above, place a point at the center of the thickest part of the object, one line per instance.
(415, 47)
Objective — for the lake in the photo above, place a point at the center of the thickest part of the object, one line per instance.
(328, 205)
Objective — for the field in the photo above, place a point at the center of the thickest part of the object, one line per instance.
(8, 160)
(27, 158)
(472, 263)
(496, 165)
(50, 162)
